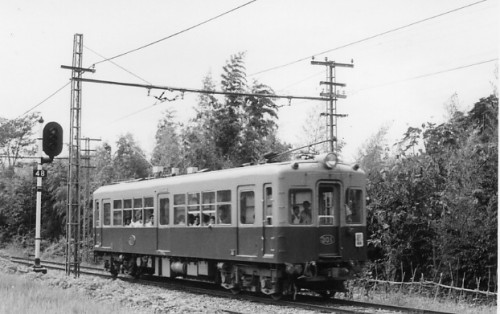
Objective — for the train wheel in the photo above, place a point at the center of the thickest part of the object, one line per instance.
(235, 290)
(277, 296)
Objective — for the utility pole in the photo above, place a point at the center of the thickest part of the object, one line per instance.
(86, 196)
(73, 219)
(331, 114)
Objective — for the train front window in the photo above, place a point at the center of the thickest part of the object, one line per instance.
(353, 206)
(300, 206)
(328, 203)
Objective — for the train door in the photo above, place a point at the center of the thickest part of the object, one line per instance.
(329, 219)
(163, 240)
(267, 223)
(248, 236)
(97, 223)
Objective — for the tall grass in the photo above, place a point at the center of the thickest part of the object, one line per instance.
(19, 295)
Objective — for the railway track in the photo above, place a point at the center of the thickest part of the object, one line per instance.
(302, 302)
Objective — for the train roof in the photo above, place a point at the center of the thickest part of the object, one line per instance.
(227, 174)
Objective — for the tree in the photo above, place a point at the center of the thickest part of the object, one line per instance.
(434, 206)
(16, 139)
(129, 161)
(237, 130)
(167, 152)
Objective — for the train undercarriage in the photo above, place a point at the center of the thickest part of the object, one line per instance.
(275, 280)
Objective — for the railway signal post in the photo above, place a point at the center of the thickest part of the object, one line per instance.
(50, 142)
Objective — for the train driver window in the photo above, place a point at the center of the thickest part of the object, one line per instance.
(300, 206)
(247, 207)
(224, 207)
(127, 212)
(97, 222)
(107, 213)
(353, 206)
(117, 212)
(180, 209)
(328, 203)
(164, 204)
(268, 205)
(149, 218)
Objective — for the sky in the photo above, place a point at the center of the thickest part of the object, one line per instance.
(410, 58)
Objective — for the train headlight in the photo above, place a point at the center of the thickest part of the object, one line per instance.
(329, 160)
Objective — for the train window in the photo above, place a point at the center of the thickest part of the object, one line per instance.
(353, 206)
(117, 204)
(268, 205)
(97, 222)
(224, 207)
(208, 208)
(247, 207)
(300, 206)
(117, 212)
(137, 217)
(127, 212)
(107, 214)
(328, 203)
(194, 209)
(164, 210)
(127, 203)
(149, 212)
(179, 209)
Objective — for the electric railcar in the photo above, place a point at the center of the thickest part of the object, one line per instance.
(273, 228)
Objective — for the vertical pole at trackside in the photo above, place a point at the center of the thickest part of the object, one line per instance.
(37, 267)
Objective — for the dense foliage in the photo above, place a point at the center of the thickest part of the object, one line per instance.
(433, 207)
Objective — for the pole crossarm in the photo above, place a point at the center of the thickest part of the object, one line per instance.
(198, 91)
(332, 64)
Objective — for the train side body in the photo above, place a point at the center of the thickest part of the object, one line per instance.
(240, 226)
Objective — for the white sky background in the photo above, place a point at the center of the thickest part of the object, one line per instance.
(36, 38)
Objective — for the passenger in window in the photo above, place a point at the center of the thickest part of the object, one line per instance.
(127, 222)
(222, 215)
(138, 220)
(296, 215)
(305, 215)
(196, 221)
(151, 221)
(211, 222)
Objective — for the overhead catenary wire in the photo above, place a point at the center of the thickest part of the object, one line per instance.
(177, 33)
(368, 38)
(426, 75)
(199, 91)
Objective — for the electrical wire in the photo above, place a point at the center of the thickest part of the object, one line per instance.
(40, 103)
(368, 38)
(178, 33)
(426, 75)
(119, 66)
